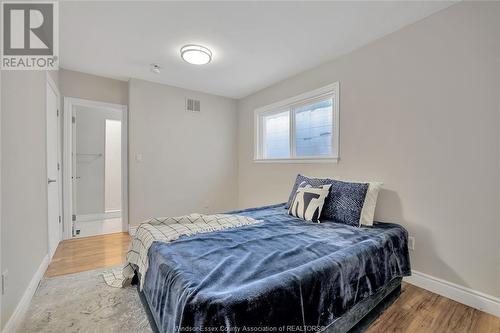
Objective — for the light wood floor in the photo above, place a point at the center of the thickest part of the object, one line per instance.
(85, 254)
(415, 311)
(418, 310)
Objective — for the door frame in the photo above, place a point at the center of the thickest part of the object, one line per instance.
(53, 85)
(69, 103)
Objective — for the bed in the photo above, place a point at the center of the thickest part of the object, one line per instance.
(281, 275)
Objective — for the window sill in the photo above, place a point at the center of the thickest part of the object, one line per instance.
(298, 160)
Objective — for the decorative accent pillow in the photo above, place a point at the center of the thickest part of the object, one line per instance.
(314, 182)
(345, 202)
(368, 211)
(362, 198)
(308, 202)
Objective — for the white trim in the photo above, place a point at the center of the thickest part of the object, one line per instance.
(67, 185)
(101, 216)
(96, 104)
(461, 294)
(298, 160)
(132, 230)
(69, 102)
(17, 317)
(288, 104)
(124, 208)
(50, 82)
(1, 267)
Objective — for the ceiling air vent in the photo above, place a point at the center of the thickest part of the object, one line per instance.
(192, 105)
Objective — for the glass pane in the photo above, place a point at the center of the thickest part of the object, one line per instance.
(313, 129)
(277, 135)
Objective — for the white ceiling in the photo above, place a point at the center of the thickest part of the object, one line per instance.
(254, 44)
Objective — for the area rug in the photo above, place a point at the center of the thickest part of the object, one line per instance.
(82, 302)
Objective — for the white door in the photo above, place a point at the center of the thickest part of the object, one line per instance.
(74, 173)
(54, 219)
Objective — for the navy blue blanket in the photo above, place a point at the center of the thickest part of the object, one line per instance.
(283, 274)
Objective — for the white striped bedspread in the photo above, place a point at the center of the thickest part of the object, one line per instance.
(169, 229)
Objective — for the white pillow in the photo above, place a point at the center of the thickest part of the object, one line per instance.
(368, 211)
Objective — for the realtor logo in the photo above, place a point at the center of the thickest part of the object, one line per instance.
(30, 36)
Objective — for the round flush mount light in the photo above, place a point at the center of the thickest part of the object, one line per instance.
(196, 54)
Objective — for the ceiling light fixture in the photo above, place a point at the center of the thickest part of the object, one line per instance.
(155, 68)
(196, 54)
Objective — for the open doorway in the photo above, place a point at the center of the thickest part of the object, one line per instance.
(95, 167)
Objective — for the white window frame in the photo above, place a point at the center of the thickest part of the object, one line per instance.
(289, 104)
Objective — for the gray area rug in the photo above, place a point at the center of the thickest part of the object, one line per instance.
(82, 302)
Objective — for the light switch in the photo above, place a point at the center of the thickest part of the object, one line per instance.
(138, 157)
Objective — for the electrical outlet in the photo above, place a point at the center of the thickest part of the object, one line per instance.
(411, 243)
(4, 282)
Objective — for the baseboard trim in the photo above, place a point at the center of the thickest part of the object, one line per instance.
(132, 230)
(461, 294)
(100, 216)
(17, 317)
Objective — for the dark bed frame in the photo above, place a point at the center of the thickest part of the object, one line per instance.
(356, 320)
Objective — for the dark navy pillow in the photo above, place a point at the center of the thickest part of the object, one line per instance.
(314, 182)
(345, 202)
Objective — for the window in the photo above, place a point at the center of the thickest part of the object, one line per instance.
(276, 135)
(303, 128)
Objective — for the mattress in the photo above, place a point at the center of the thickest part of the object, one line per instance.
(284, 274)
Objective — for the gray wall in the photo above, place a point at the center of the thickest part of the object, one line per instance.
(96, 88)
(419, 111)
(189, 159)
(24, 181)
(90, 139)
